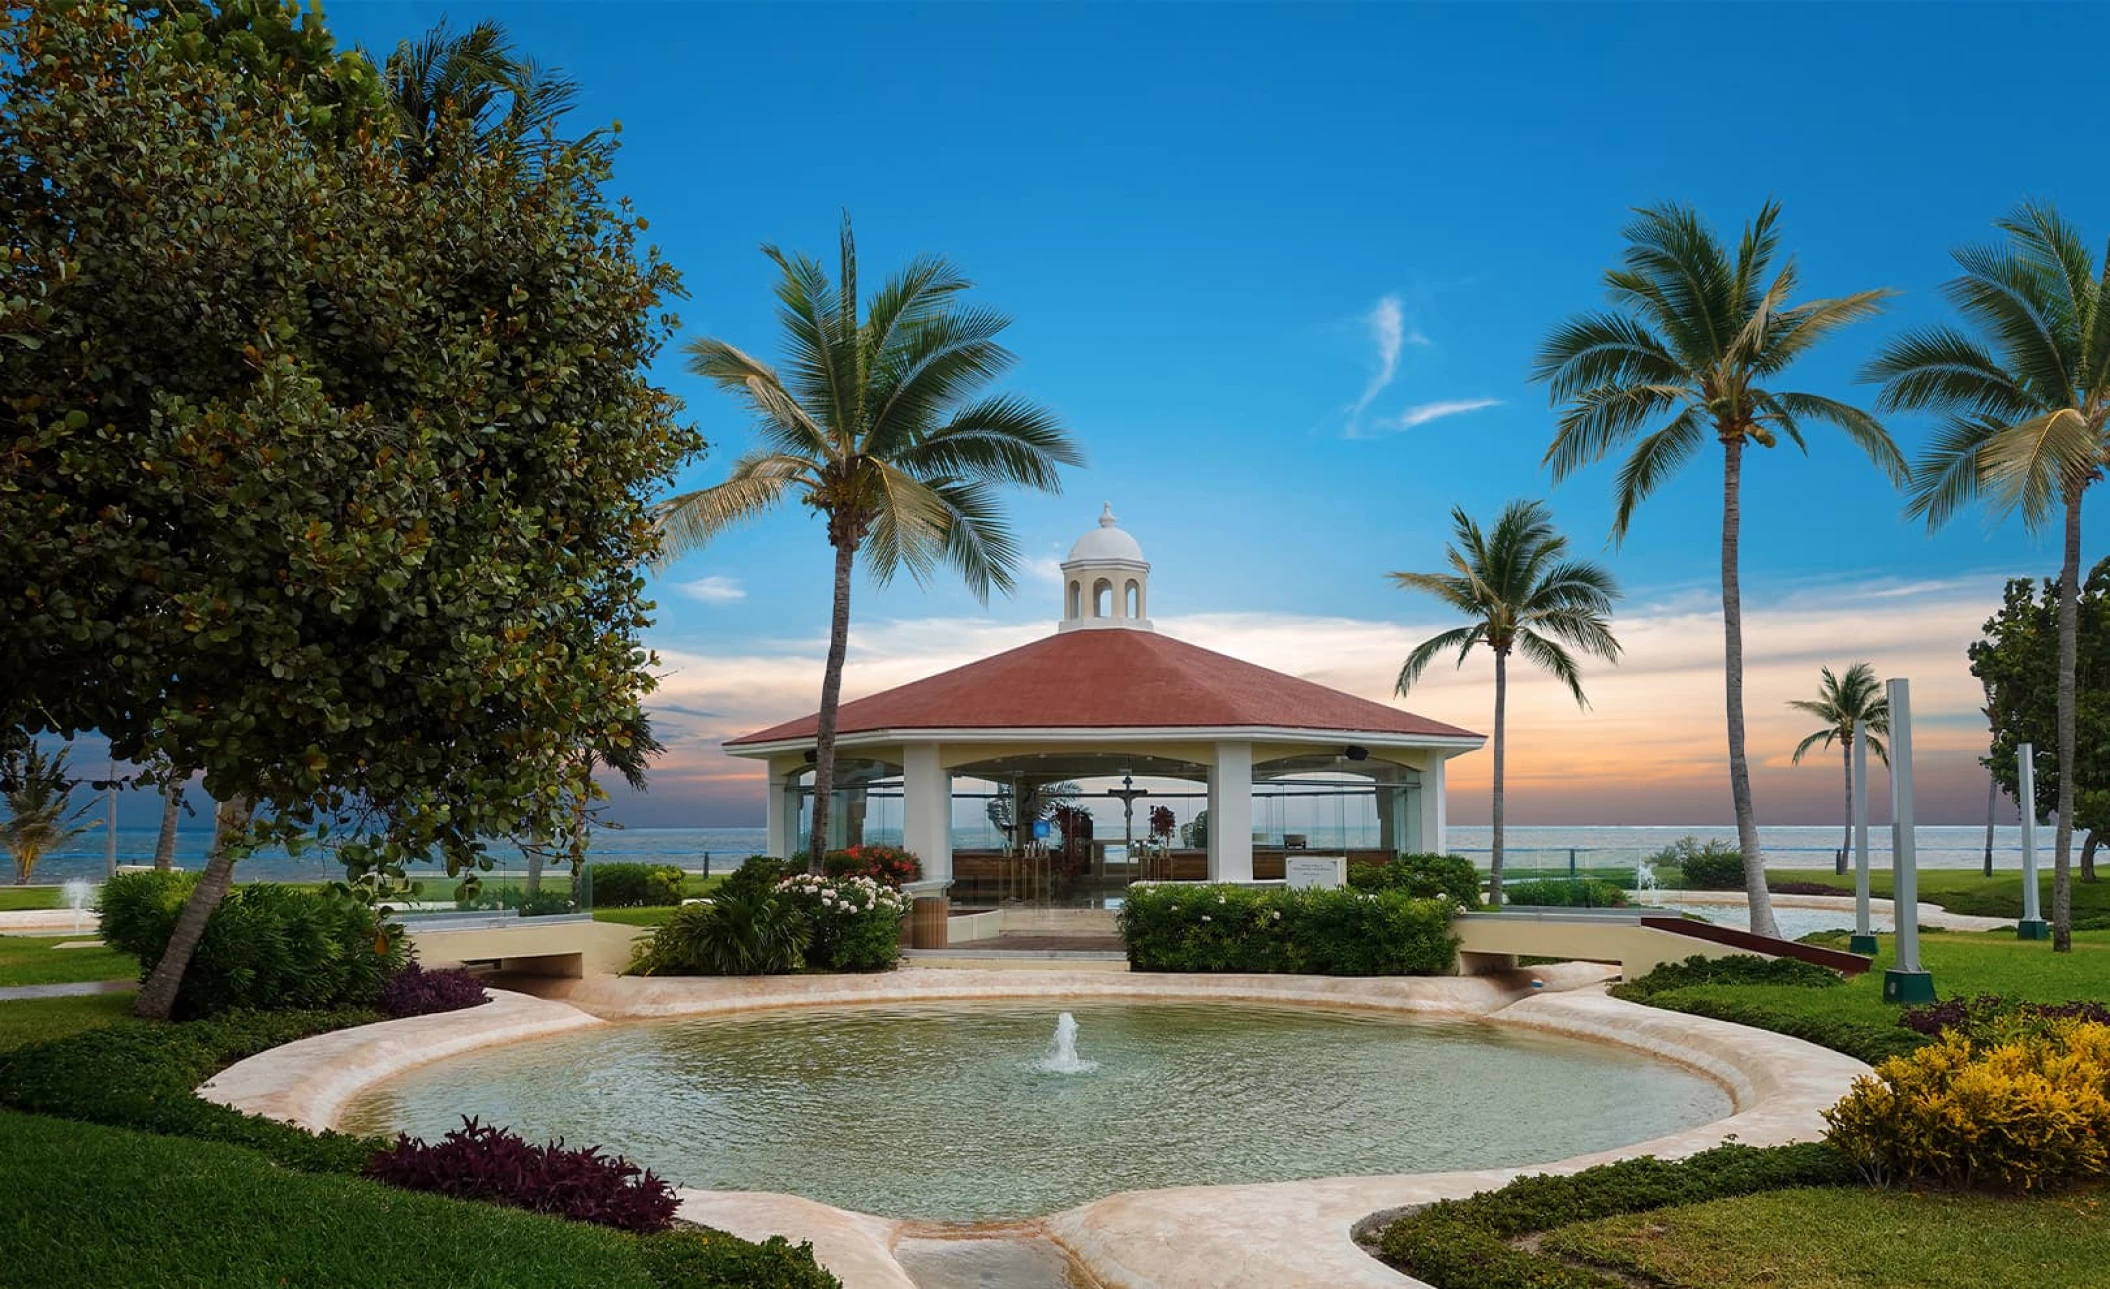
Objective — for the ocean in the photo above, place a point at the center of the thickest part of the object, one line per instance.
(1539, 846)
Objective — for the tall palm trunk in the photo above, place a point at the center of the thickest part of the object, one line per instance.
(1992, 799)
(165, 844)
(1494, 865)
(2069, 659)
(1733, 673)
(157, 997)
(831, 696)
(1846, 841)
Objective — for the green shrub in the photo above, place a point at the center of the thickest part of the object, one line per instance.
(1705, 866)
(1203, 927)
(266, 945)
(760, 873)
(1465, 1244)
(1425, 877)
(1564, 893)
(1873, 1044)
(144, 1076)
(2030, 1115)
(625, 886)
(1735, 969)
(855, 922)
(703, 1258)
(738, 932)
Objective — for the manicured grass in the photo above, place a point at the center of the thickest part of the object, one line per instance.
(32, 1020)
(1846, 1238)
(1853, 1017)
(16, 898)
(37, 960)
(650, 915)
(115, 1207)
(1966, 890)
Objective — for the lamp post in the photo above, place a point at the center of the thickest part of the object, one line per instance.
(1907, 982)
(1864, 938)
(2032, 926)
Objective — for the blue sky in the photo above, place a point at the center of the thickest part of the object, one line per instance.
(1206, 220)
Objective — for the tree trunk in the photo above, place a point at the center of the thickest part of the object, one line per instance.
(2069, 650)
(1494, 866)
(1992, 799)
(171, 810)
(157, 997)
(831, 697)
(1846, 847)
(2088, 855)
(1733, 675)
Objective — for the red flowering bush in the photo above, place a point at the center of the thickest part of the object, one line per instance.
(887, 865)
(480, 1162)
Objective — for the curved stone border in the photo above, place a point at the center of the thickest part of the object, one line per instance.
(1278, 1234)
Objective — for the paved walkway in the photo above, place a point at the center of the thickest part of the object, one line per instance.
(77, 989)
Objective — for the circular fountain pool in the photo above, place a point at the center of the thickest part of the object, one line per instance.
(968, 1111)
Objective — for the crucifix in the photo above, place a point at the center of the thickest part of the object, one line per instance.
(1127, 793)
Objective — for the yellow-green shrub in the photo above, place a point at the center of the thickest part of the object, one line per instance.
(2031, 1114)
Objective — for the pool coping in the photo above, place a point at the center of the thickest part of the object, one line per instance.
(1289, 1234)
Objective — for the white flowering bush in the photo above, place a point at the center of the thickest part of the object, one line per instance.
(856, 922)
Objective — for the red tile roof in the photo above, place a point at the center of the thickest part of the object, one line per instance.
(1112, 678)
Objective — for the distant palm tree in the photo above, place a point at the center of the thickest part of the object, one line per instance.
(1519, 593)
(1843, 702)
(2027, 408)
(877, 425)
(41, 815)
(475, 76)
(1694, 348)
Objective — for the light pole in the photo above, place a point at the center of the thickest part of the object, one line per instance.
(1864, 938)
(1907, 982)
(2032, 926)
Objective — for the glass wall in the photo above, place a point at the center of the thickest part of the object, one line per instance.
(1335, 803)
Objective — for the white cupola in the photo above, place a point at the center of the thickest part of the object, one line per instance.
(1106, 580)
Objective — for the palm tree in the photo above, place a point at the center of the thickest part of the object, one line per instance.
(1520, 593)
(41, 815)
(2027, 423)
(1843, 702)
(1695, 344)
(475, 77)
(879, 426)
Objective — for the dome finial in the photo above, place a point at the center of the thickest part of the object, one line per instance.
(1106, 515)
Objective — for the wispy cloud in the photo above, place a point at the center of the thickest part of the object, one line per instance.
(1042, 568)
(1387, 323)
(1423, 413)
(715, 589)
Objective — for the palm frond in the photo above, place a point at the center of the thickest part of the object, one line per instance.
(1864, 430)
(1655, 459)
(1461, 639)
(757, 483)
(2028, 467)
(1600, 419)
(1551, 657)
(1005, 439)
(910, 523)
(1942, 369)
(1951, 468)
(1821, 737)
(1602, 349)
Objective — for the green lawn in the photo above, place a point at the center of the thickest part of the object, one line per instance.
(1853, 1239)
(1853, 1016)
(1965, 890)
(32, 1020)
(16, 898)
(37, 960)
(113, 1207)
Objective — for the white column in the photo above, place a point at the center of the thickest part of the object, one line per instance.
(1435, 810)
(926, 809)
(2026, 782)
(1862, 930)
(780, 799)
(1231, 814)
(1904, 860)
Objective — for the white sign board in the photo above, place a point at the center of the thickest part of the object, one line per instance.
(1328, 871)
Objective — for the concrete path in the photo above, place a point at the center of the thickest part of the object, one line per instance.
(1929, 914)
(75, 989)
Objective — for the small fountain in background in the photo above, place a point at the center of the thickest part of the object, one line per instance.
(76, 892)
(1063, 1058)
(1644, 877)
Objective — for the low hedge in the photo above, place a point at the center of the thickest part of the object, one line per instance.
(1873, 1044)
(1564, 893)
(626, 886)
(1208, 927)
(1703, 866)
(143, 1076)
(1466, 1244)
(1734, 969)
(1427, 877)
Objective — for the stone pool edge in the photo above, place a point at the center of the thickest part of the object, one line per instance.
(1278, 1233)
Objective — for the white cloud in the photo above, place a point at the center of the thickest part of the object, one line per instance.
(715, 589)
(1042, 568)
(1423, 413)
